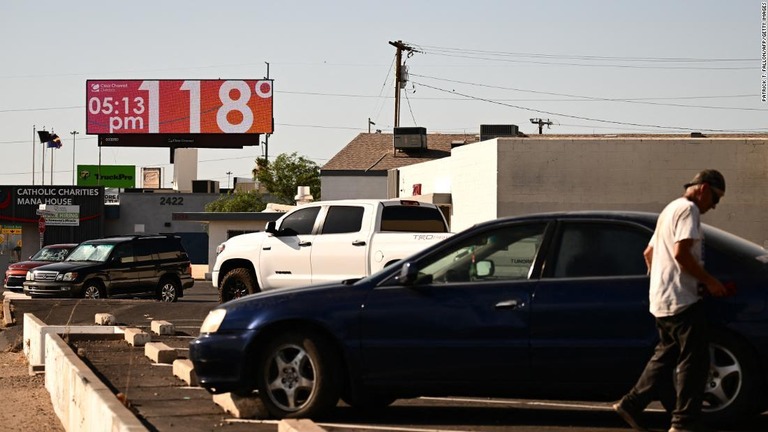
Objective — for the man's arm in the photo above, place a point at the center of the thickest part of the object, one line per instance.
(648, 255)
(691, 265)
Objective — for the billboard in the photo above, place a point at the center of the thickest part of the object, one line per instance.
(177, 107)
(114, 176)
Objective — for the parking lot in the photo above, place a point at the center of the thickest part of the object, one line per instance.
(166, 403)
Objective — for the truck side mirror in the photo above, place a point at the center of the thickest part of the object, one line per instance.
(271, 227)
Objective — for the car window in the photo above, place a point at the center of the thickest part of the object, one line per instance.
(412, 218)
(343, 219)
(123, 253)
(50, 254)
(145, 250)
(300, 222)
(91, 252)
(598, 249)
(506, 253)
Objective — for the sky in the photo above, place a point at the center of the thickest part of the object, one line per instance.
(588, 67)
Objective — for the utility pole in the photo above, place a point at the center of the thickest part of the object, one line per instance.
(266, 138)
(229, 173)
(541, 123)
(399, 81)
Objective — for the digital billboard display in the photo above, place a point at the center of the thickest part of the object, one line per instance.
(179, 107)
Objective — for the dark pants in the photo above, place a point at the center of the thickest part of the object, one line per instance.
(681, 361)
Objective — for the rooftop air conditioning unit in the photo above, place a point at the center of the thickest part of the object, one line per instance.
(497, 131)
(410, 138)
(205, 186)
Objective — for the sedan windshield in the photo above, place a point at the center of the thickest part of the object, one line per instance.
(50, 254)
(91, 252)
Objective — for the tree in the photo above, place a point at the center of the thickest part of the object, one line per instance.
(237, 202)
(282, 176)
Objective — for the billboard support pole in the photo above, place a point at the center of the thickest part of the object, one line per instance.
(34, 144)
(74, 136)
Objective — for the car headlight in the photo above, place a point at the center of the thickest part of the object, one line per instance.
(30, 276)
(213, 321)
(67, 277)
(220, 248)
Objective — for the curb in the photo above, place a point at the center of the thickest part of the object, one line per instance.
(81, 401)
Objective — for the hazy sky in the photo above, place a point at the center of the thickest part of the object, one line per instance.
(603, 67)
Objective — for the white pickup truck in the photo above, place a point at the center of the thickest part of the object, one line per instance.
(326, 241)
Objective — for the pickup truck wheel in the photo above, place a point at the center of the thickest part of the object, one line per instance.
(168, 291)
(297, 375)
(237, 283)
(93, 290)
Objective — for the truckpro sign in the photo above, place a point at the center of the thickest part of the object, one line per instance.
(112, 176)
(116, 107)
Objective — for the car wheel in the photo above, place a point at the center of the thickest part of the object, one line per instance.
(237, 283)
(93, 290)
(297, 375)
(735, 384)
(168, 291)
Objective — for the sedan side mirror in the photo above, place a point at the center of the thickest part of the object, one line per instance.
(409, 275)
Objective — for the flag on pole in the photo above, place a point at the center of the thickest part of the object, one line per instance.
(54, 142)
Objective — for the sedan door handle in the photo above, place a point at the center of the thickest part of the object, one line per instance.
(509, 304)
(358, 243)
(305, 243)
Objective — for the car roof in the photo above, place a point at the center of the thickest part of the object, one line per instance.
(646, 218)
(125, 238)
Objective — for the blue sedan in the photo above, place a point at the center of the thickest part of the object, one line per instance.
(540, 306)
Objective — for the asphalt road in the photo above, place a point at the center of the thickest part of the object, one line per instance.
(165, 403)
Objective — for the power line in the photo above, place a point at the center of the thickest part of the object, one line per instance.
(643, 101)
(570, 115)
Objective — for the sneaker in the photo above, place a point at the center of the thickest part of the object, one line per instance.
(630, 418)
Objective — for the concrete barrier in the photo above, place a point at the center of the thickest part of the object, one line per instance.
(241, 407)
(298, 425)
(159, 352)
(104, 319)
(162, 328)
(34, 338)
(81, 401)
(185, 371)
(137, 337)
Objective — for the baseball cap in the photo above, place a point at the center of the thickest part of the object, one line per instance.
(711, 177)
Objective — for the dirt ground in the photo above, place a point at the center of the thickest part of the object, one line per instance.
(26, 403)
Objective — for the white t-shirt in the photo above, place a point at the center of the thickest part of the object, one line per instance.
(673, 290)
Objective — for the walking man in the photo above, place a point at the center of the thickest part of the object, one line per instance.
(674, 258)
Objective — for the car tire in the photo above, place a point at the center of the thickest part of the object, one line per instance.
(168, 290)
(297, 375)
(93, 290)
(735, 385)
(237, 283)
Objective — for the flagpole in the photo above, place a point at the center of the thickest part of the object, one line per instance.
(42, 166)
(52, 152)
(34, 144)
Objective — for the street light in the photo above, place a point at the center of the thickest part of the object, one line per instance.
(74, 136)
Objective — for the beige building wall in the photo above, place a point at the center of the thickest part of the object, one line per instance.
(349, 187)
(513, 176)
(469, 175)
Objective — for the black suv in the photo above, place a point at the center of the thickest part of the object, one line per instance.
(117, 266)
